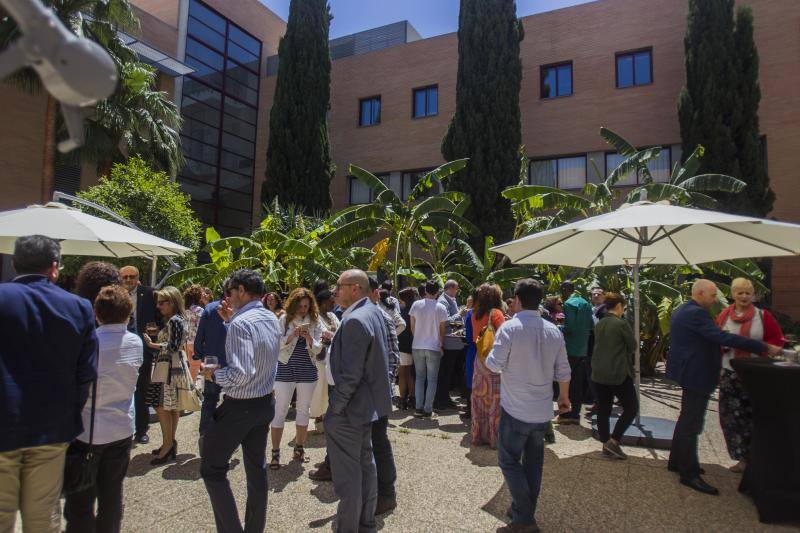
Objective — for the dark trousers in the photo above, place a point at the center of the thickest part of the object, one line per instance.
(354, 473)
(576, 365)
(211, 393)
(79, 507)
(238, 422)
(520, 452)
(445, 376)
(384, 458)
(626, 393)
(589, 392)
(139, 405)
(683, 453)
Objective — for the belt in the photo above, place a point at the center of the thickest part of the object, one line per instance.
(251, 400)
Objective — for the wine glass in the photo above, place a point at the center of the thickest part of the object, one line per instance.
(151, 328)
(210, 362)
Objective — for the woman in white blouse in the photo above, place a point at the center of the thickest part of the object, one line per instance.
(120, 356)
(319, 401)
(301, 342)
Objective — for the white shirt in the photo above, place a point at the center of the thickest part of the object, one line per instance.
(428, 315)
(756, 332)
(530, 353)
(118, 362)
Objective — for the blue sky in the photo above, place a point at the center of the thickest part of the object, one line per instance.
(429, 17)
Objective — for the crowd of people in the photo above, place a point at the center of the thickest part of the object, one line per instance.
(81, 372)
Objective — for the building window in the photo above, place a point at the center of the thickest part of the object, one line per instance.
(556, 80)
(562, 172)
(220, 108)
(660, 168)
(426, 101)
(370, 111)
(360, 193)
(634, 68)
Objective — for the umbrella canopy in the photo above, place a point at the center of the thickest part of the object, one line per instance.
(81, 234)
(646, 233)
(667, 234)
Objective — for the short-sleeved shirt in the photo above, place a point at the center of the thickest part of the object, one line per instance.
(427, 314)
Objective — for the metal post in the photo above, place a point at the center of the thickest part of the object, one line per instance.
(637, 332)
(154, 271)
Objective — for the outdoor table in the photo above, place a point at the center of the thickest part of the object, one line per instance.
(772, 477)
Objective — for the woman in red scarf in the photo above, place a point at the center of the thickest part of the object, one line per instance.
(735, 411)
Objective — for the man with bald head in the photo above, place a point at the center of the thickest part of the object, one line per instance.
(695, 363)
(144, 311)
(359, 364)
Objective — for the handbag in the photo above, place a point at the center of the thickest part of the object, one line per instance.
(189, 397)
(81, 466)
(160, 372)
(485, 340)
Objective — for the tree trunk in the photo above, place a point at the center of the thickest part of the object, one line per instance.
(49, 156)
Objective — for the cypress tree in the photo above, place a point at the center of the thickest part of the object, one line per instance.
(708, 103)
(299, 167)
(757, 198)
(486, 126)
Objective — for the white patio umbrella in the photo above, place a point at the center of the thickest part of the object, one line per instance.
(81, 234)
(646, 233)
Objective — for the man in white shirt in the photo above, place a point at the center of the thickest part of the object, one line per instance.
(428, 322)
(530, 354)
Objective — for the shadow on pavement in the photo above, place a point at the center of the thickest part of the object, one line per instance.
(288, 472)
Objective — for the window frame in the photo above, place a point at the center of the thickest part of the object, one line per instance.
(585, 157)
(664, 147)
(632, 53)
(542, 71)
(360, 109)
(425, 88)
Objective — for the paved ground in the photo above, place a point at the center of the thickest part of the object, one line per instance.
(444, 485)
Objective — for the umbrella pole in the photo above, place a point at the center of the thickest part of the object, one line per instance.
(637, 332)
(154, 271)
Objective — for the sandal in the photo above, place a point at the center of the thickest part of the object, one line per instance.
(299, 453)
(276, 460)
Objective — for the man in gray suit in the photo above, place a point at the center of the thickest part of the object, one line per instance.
(359, 364)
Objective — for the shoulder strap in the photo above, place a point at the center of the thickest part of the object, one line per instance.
(91, 420)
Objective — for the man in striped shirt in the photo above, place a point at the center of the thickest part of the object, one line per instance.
(251, 351)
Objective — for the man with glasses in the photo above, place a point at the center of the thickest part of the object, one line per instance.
(359, 357)
(48, 361)
(251, 350)
(144, 312)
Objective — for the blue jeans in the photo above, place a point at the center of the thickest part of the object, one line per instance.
(426, 366)
(520, 453)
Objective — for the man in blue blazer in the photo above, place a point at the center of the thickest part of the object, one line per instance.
(359, 365)
(48, 360)
(695, 362)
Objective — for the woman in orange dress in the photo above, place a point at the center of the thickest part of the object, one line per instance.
(485, 383)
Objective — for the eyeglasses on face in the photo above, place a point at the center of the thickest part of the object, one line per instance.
(129, 276)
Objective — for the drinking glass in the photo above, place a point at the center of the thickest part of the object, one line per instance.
(151, 329)
(211, 362)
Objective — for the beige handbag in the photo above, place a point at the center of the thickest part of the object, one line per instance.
(160, 372)
(189, 397)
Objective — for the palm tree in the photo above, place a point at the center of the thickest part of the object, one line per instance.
(405, 224)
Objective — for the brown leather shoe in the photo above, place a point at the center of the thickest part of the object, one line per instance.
(385, 505)
(323, 473)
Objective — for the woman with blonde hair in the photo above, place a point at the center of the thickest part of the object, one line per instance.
(302, 332)
(170, 371)
(485, 383)
(735, 411)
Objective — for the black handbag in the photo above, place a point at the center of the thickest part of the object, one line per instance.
(80, 466)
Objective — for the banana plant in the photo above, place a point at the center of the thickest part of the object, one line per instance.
(403, 225)
(284, 249)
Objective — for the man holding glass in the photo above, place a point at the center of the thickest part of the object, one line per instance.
(251, 349)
